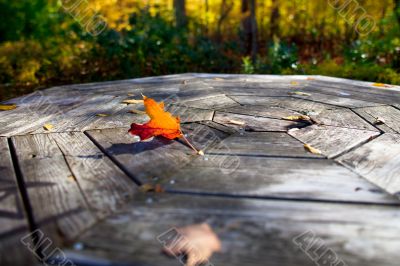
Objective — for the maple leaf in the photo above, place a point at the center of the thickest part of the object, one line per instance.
(161, 123)
(198, 242)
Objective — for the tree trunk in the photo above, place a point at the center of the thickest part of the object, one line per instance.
(249, 25)
(274, 20)
(397, 10)
(180, 13)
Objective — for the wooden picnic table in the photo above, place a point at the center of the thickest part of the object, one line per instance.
(84, 188)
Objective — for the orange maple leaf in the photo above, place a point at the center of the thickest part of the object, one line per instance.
(161, 123)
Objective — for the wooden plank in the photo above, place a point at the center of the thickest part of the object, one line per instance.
(13, 219)
(389, 114)
(253, 123)
(378, 161)
(332, 141)
(262, 144)
(50, 183)
(212, 102)
(358, 235)
(341, 100)
(149, 161)
(340, 117)
(290, 103)
(105, 187)
(296, 178)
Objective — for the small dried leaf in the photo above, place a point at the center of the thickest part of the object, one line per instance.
(151, 188)
(236, 122)
(294, 83)
(311, 149)
(184, 82)
(300, 93)
(48, 127)
(379, 121)
(310, 78)
(131, 94)
(7, 107)
(381, 85)
(132, 101)
(102, 115)
(198, 242)
(138, 112)
(297, 118)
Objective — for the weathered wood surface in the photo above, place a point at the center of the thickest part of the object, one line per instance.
(378, 161)
(85, 183)
(253, 232)
(13, 218)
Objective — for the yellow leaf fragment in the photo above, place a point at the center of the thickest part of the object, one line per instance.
(132, 101)
(381, 85)
(138, 112)
(7, 107)
(236, 122)
(297, 118)
(294, 83)
(151, 188)
(48, 127)
(102, 115)
(311, 149)
(300, 93)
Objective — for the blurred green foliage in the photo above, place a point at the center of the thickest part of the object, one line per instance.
(41, 45)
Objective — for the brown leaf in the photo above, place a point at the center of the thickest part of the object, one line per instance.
(7, 107)
(311, 149)
(102, 115)
(132, 101)
(300, 93)
(197, 241)
(379, 121)
(236, 122)
(297, 118)
(151, 188)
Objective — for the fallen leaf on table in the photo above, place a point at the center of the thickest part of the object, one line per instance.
(151, 188)
(300, 93)
(138, 112)
(48, 127)
(102, 115)
(381, 85)
(161, 123)
(297, 118)
(236, 122)
(132, 101)
(379, 121)
(311, 149)
(294, 83)
(198, 242)
(310, 78)
(7, 107)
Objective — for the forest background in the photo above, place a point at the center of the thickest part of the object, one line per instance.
(51, 42)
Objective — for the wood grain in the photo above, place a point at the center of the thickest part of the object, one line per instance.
(13, 219)
(389, 115)
(333, 141)
(251, 231)
(378, 161)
